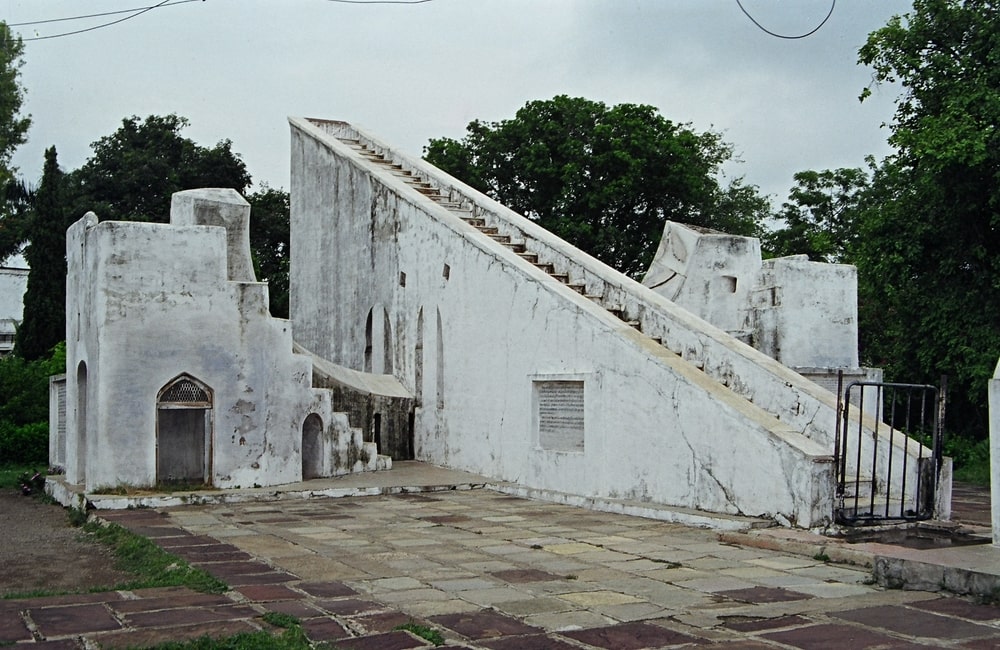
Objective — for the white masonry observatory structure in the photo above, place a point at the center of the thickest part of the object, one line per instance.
(176, 371)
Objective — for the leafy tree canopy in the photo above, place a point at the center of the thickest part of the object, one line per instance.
(13, 126)
(134, 171)
(603, 178)
(14, 194)
(819, 216)
(929, 241)
(269, 242)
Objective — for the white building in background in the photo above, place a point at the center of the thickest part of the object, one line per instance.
(13, 284)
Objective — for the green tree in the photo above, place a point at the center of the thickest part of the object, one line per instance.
(24, 406)
(269, 244)
(13, 126)
(603, 178)
(819, 216)
(929, 240)
(14, 194)
(134, 171)
(44, 322)
(15, 215)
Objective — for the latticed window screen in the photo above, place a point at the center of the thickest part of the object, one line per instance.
(185, 391)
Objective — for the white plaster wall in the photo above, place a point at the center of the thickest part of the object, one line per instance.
(148, 302)
(711, 274)
(657, 428)
(807, 313)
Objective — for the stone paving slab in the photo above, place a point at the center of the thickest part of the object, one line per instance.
(912, 622)
(73, 619)
(497, 571)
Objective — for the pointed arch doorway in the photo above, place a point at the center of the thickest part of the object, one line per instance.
(184, 432)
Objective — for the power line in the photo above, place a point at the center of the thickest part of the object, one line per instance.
(791, 38)
(138, 12)
(106, 13)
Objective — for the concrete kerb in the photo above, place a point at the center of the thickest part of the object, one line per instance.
(964, 570)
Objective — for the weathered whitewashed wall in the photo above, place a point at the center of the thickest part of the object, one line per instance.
(709, 273)
(802, 314)
(806, 313)
(383, 278)
(147, 303)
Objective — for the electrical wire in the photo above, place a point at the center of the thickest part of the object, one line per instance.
(106, 13)
(138, 11)
(791, 38)
(95, 27)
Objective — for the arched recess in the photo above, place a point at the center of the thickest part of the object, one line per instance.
(81, 422)
(368, 341)
(312, 448)
(439, 359)
(418, 359)
(184, 431)
(387, 343)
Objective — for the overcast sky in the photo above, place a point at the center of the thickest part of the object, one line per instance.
(237, 68)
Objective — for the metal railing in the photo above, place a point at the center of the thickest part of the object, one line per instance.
(879, 477)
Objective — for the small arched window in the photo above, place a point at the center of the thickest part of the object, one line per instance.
(185, 390)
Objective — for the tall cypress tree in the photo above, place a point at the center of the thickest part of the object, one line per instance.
(44, 322)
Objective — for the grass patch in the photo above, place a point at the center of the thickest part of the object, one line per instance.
(152, 566)
(10, 475)
(972, 459)
(424, 632)
(277, 619)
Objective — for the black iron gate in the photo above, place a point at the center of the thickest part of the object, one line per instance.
(887, 472)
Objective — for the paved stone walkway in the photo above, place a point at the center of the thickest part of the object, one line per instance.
(493, 571)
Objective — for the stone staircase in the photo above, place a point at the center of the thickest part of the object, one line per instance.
(469, 213)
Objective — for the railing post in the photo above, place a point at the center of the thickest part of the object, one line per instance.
(942, 466)
(994, 392)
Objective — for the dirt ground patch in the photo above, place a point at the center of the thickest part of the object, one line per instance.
(39, 550)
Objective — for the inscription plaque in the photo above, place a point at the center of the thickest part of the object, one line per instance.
(560, 415)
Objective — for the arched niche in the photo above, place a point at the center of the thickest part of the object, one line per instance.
(312, 448)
